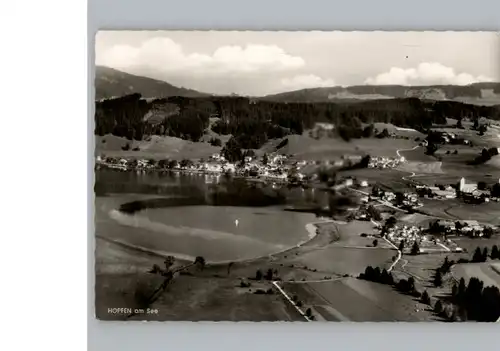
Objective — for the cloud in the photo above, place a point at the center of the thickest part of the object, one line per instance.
(306, 81)
(165, 55)
(426, 73)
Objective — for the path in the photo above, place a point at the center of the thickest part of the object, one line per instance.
(275, 283)
(314, 281)
(413, 148)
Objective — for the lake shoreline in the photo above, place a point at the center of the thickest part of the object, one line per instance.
(311, 229)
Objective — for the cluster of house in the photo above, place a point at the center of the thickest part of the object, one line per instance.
(451, 138)
(462, 227)
(406, 233)
(382, 162)
(406, 200)
(469, 192)
(437, 192)
(276, 166)
(350, 182)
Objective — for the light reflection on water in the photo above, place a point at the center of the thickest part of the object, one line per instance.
(208, 231)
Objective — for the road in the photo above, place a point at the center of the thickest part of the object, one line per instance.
(397, 151)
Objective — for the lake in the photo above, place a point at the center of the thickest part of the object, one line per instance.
(190, 215)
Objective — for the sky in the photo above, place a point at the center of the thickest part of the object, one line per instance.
(261, 63)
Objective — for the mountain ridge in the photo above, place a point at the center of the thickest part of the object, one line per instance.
(476, 93)
(110, 82)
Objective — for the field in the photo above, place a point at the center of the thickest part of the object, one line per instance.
(484, 213)
(351, 254)
(421, 167)
(155, 147)
(307, 148)
(122, 281)
(339, 260)
(487, 272)
(351, 299)
(422, 267)
(220, 299)
(454, 209)
(386, 178)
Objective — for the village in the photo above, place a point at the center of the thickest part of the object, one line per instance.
(282, 168)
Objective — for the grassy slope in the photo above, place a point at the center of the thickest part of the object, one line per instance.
(155, 147)
(305, 147)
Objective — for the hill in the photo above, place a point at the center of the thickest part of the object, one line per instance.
(478, 93)
(155, 147)
(110, 82)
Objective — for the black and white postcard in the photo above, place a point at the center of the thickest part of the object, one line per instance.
(297, 176)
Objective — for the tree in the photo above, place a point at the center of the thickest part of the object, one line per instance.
(390, 222)
(309, 312)
(461, 289)
(438, 280)
(169, 262)
(215, 142)
(258, 275)
(229, 266)
(476, 123)
(265, 159)
(426, 298)
(401, 245)
(487, 232)
(495, 254)
(454, 290)
(481, 185)
(478, 256)
(485, 255)
(411, 284)
(431, 149)
(438, 307)
(399, 198)
(374, 213)
(368, 131)
(172, 164)
(185, 163)
(495, 190)
(232, 151)
(200, 262)
(375, 243)
(415, 249)
(269, 274)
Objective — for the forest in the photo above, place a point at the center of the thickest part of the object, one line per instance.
(254, 122)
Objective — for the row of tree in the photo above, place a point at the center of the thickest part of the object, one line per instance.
(406, 286)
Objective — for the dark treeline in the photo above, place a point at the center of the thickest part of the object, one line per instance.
(476, 302)
(252, 123)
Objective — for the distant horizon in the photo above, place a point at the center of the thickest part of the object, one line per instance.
(254, 63)
(309, 88)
